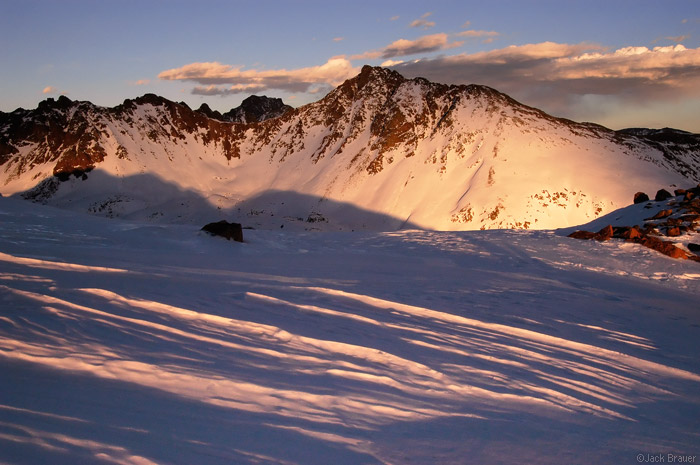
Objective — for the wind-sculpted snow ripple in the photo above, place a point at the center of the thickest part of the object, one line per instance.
(299, 348)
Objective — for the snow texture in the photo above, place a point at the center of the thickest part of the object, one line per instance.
(129, 342)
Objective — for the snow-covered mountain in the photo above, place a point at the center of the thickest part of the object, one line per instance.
(378, 152)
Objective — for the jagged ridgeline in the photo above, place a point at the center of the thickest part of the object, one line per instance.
(378, 152)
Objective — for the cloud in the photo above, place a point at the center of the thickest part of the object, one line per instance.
(141, 82)
(477, 34)
(486, 36)
(425, 44)
(213, 89)
(338, 39)
(371, 55)
(423, 22)
(678, 39)
(49, 90)
(221, 79)
(403, 47)
(394, 18)
(389, 63)
(559, 77)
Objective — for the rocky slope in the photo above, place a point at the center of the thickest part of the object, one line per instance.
(378, 152)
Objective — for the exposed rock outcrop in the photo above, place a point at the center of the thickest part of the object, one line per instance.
(681, 218)
(230, 231)
(662, 194)
(640, 197)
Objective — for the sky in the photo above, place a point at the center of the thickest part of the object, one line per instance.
(618, 63)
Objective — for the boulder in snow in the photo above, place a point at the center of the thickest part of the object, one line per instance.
(662, 194)
(231, 231)
(640, 197)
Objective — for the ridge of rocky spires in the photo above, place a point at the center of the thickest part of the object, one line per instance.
(253, 109)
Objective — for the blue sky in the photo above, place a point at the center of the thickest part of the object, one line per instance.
(619, 63)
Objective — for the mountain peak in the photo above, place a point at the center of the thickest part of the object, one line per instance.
(255, 109)
(153, 99)
(376, 74)
(62, 103)
(208, 112)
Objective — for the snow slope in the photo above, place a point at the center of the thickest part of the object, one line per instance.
(128, 342)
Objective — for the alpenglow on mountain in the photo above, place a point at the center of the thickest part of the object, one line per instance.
(378, 152)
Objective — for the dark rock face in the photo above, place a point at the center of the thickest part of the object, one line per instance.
(231, 231)
(640, 197)
(43, 191)
(208, 112)
(255, 109)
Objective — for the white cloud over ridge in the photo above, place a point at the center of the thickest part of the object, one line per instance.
(214, 78)
(220, 79)
(425, 44)
(404, 47)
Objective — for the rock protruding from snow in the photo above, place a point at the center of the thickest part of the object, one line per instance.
(230, 231)
(640, 197)
(662, 194)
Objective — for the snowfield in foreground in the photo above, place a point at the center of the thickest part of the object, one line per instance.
(134, 343)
